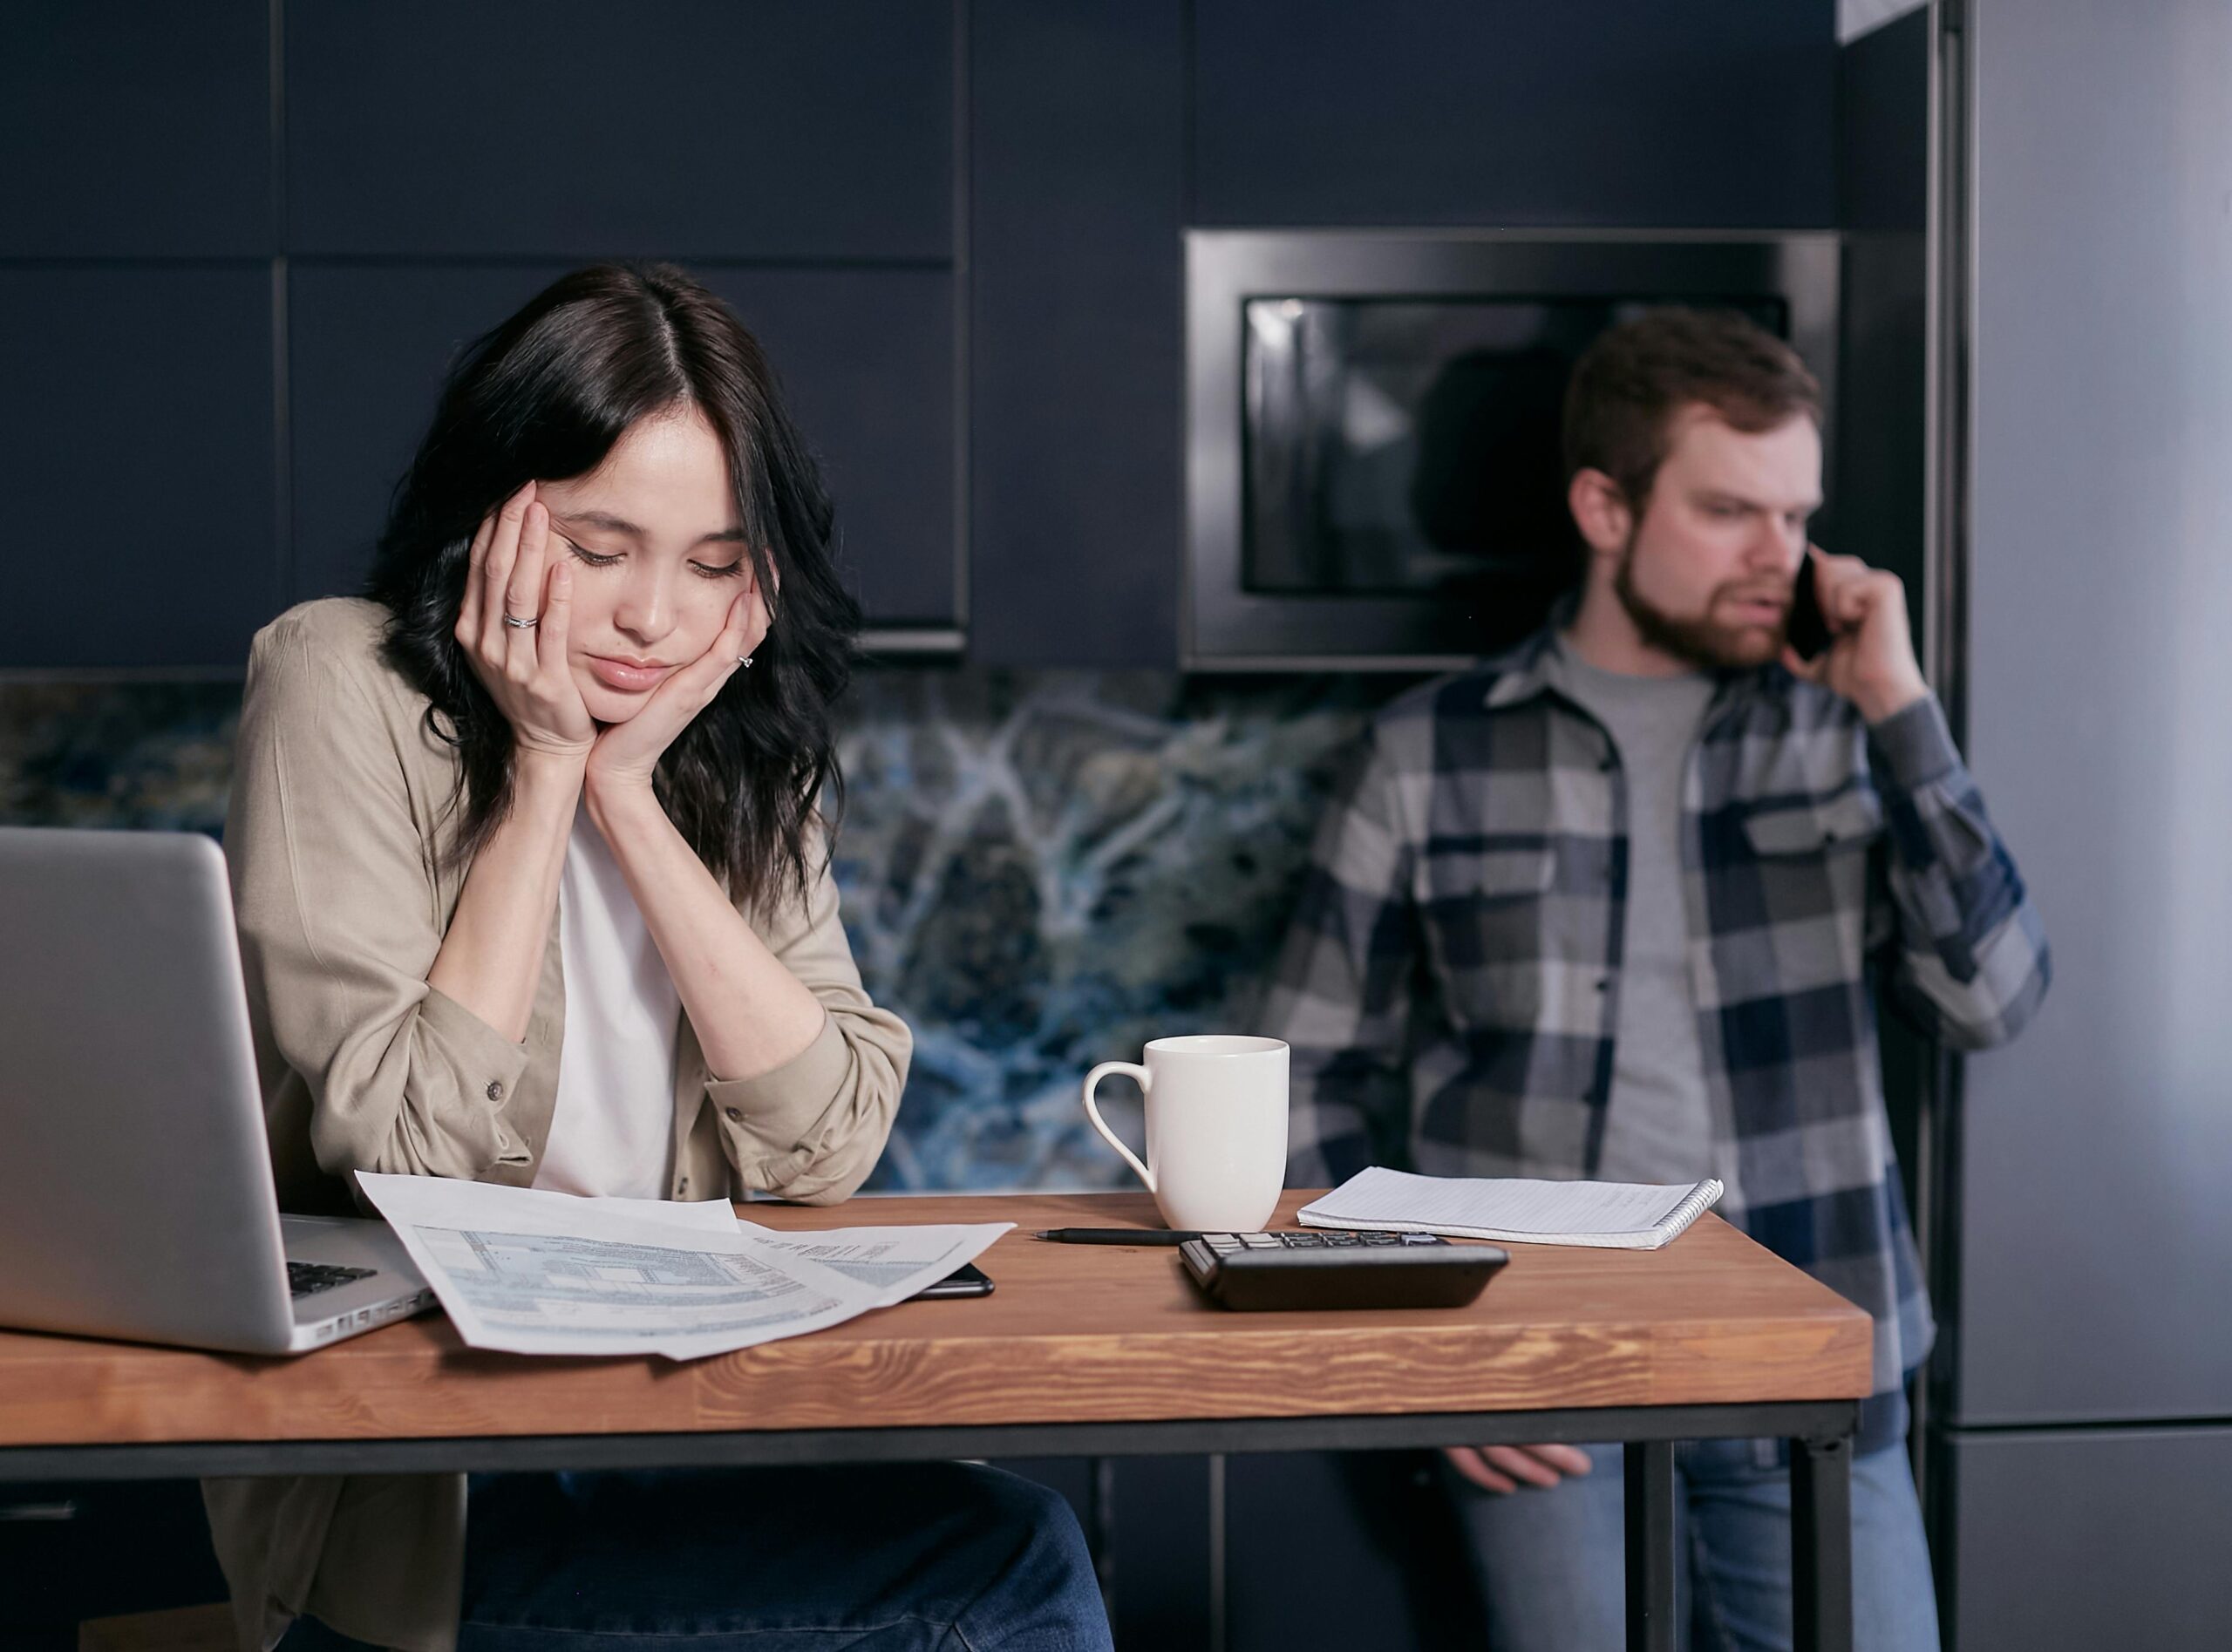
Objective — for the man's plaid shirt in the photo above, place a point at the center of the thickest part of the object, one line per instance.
(1451, 985)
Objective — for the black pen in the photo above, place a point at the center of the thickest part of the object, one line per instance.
(1118, 1235)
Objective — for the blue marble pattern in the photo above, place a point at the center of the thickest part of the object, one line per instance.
(156, 756)
(1044, 872)
(1040, 871)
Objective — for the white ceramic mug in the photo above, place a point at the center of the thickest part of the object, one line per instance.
(1216, 1128)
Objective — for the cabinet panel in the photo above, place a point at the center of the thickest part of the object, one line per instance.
(1156, 1563)
(60, 1547)
(1356, 1549)
(138, 438)
(135, 127)
(1514, 113)
(2088, 1539)
(779, 128)
(1077, 175)
(367, 349)
(865, 356)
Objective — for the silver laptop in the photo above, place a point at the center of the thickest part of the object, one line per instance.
(135, 1184)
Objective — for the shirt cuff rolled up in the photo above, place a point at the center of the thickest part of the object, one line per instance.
(485, 1065)
(777, 1111)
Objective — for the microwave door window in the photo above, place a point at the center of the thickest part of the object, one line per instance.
(1412, 446)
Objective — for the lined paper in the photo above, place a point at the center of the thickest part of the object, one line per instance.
(1611, 1215)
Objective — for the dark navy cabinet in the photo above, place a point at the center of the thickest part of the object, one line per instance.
(1510, 112)
(1076, 179)
(866, 354)
(135, 129)
(956, 226)
(367, 347)
(867, 358)
(794, 129)
(136, 456)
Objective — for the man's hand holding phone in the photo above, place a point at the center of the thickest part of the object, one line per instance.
(1862, 648)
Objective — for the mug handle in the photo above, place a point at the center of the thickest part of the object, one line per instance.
(1091, 1083)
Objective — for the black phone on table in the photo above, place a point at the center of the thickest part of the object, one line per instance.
(968, 1280)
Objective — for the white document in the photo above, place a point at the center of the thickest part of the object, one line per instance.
(1612, 1214)
(890, 1261)
(531, 1271)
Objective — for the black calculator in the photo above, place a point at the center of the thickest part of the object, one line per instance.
(1337, 1268)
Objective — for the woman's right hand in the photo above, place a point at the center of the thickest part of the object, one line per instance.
(524, 667)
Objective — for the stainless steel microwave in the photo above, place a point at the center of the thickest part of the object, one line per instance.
(1373, 469)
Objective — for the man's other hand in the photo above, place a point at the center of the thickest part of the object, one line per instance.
(1505, 1468)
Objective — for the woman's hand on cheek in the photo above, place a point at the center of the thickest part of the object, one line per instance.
(524, 667)
(627, 754)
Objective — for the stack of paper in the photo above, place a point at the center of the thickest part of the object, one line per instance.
(532, 1272)
(1618, 1214)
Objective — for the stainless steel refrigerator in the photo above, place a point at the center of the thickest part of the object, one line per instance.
(2077, 1186)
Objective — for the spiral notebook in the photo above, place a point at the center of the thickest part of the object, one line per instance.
(1620, 1215)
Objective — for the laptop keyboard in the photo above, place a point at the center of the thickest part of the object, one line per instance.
(307, 1279)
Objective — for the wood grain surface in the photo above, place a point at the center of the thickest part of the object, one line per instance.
(1072, 1333)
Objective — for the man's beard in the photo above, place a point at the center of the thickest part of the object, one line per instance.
(1703, 642)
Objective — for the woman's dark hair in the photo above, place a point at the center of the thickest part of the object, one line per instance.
(544, 397)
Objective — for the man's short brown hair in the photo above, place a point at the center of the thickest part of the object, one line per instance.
(1630, 383)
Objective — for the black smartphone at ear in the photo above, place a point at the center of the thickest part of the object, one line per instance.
(1808, 632)
(968, 1280)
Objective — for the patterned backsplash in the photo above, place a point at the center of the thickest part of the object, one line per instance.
(1040, 871)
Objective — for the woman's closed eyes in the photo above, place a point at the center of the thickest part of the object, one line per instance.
(597, 559)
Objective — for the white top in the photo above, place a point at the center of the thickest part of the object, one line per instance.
(613, 1130)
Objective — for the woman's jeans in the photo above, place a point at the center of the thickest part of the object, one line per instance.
(1550, 1561)
(951, 1556)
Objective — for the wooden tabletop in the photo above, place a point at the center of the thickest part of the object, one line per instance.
(1072, 1333)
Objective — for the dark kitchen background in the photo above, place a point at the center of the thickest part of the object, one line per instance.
(241, 240)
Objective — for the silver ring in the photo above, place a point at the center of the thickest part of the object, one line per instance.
(521, 625)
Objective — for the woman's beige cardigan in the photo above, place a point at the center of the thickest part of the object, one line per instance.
(340, 800)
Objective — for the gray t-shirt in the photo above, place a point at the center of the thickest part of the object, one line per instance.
(1659, 1126)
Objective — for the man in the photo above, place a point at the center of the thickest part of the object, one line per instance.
(1615, 906)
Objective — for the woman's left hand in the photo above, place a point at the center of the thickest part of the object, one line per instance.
(627, 754)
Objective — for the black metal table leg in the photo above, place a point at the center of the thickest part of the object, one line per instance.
(1651, 1545)
(1821, 1544)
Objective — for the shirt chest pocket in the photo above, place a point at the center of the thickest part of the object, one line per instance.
(1851, 821)
(1486, 922)
(1810, 863)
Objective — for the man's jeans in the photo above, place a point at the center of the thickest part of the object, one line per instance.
(951, 1556)
(1550, 1561)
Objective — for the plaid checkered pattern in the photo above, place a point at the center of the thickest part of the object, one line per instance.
(1451, 983)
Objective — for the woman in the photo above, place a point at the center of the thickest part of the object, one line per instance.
(533, 889)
